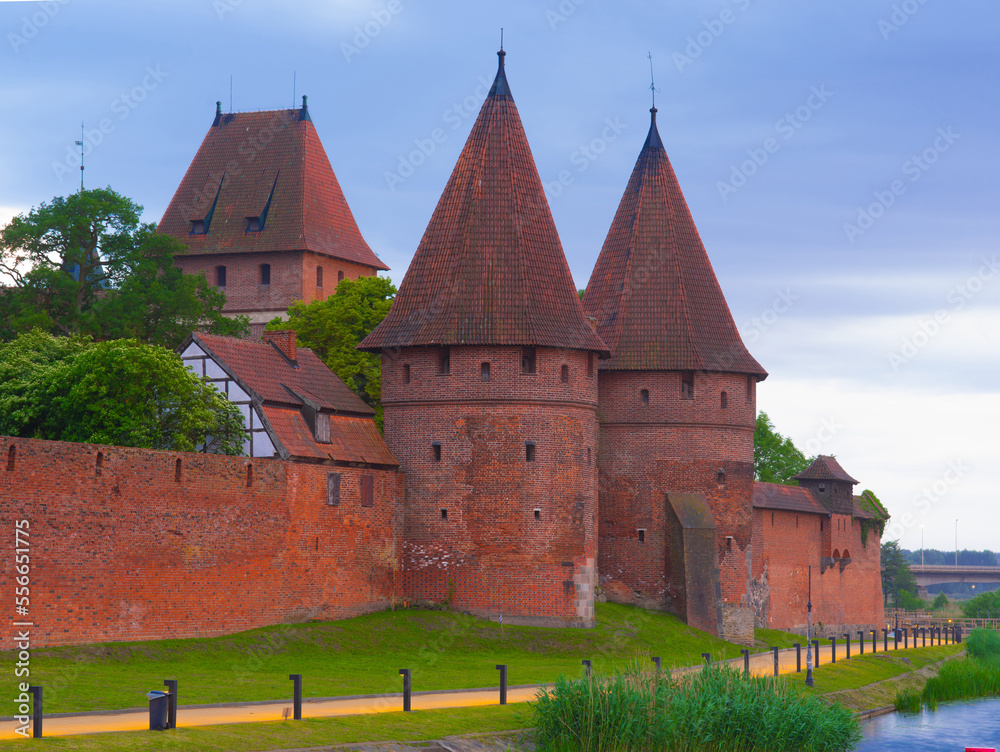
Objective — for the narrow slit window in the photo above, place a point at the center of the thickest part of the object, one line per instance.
(564, 374)
(529, 451)
(11, 457)
(720, 477)
(820, 523)
(367, 490)
(99, 464)
(249, 476)
(772, 520)
(340, 277)
(528, 355)
(177, 471)
(444, 514)
(319, 276)
(444, 361)
(484, 371)
(642, 536)
(437, 450)
(406, 373)
(644, 396)
(590, 365)
(687, 385)
(265, 274)
(588, 455)
(220, 276)
(333, 489)
(723, 400)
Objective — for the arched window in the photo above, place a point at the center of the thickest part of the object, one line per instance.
(249, 475)
(177, 471)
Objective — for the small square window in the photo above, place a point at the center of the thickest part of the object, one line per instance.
(528, 355)
(484, 371)
(437, 450)
(529, 451)
(444, 361)
(538, 514)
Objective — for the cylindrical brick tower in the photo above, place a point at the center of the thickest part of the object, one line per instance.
(489, 384)
(677, 408)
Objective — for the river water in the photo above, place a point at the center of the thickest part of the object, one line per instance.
(953, 726)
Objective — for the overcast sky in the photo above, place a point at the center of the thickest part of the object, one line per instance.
(840, 160)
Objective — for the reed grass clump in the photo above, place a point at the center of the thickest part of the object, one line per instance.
(978, 675)
(715, 710)
(908, 701)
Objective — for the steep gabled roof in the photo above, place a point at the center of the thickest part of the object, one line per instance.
(260, 366)
(786, 498)
(268, 165)
(825, 468)
(653, 291)
(490, 269)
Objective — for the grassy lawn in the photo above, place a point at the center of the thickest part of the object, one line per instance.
(444, 650)
(311, 732)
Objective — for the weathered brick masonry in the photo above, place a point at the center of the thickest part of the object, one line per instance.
(132, 544)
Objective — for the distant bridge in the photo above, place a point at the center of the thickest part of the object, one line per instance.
(939, 574)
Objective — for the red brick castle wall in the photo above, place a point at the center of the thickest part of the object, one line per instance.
(493, 555)
(131, 547)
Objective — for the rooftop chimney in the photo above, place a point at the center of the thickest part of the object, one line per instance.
(284, 341)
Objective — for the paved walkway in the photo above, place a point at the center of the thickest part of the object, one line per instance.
(66, 724)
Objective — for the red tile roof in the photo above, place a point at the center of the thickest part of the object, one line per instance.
(825, 468)
(653, 291)
(262, 369)
(490, 269)
(786, 498)
(352, 439)
(250, 162)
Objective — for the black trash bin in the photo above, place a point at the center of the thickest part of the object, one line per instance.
(159, 704)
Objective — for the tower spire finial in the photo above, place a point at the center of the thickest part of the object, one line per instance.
(652, 85)
(501, 38)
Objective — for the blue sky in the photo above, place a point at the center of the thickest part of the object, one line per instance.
(840, 161)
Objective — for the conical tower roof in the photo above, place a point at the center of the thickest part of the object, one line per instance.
(490, 269)
(653, 291)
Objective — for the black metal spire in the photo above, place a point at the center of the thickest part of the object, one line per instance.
(500, 87)
(653, 138)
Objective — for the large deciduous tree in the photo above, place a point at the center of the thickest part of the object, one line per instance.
(119, 392)
(334, 327)
(775, 458)
(84, 264)
(898, 583)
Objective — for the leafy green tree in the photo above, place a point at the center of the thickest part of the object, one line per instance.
(983, 606)
(84, 264)
(896, 574)
(775, 458)
(119, 392)
(940, 602)
(908, 601)
(334, 327)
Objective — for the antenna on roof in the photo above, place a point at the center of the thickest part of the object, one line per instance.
(80, 144)
(652, 86)
(230, 92)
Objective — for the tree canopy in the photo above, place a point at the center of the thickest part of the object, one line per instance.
(898, 583)
(334, 327)
(966, 558)
(983, 606)
(84, 264)
(119, 392)
(775, 458)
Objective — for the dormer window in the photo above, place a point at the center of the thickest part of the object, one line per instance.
(198, 227)
(254, 224)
